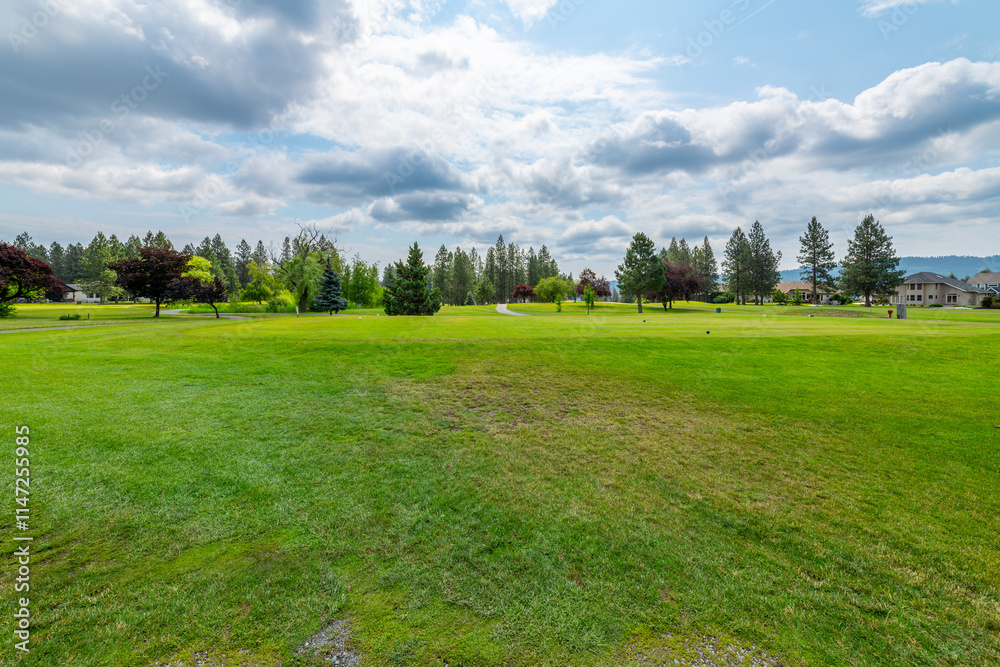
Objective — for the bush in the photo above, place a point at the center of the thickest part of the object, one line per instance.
(988, 302)
(936, 305)
(840, 299)
(996, 305)
(722, 297)
(74, 316)
(779, 297)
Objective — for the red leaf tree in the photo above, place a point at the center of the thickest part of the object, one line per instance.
(523, 293)
(22, 277)
(680, 281)
(600, 285)
(151, 273)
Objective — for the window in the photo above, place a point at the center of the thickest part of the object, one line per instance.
(920, 297)
(952, 298)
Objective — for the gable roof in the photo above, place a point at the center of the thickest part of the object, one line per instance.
(928, 277)
(992, 278)
(803, 286)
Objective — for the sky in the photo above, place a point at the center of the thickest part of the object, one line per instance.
(570, 123)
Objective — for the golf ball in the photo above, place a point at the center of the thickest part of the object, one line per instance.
(708, 332)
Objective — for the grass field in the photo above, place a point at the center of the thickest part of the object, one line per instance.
(480, 489)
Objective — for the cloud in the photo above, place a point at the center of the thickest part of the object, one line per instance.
(873, 8)
(530, 10)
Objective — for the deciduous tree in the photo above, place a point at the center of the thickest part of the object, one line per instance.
(22, 277)
(150, 274)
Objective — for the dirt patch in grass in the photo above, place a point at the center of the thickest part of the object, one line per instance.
(698, 651)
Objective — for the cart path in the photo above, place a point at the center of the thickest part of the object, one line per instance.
(502, 308)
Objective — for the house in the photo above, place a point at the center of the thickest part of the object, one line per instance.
(805, 290)
(987, 281)
(926, 289)
(69, 291)
(79, 296)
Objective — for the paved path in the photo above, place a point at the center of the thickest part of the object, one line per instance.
(502, 308)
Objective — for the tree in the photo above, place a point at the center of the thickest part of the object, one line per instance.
(302, 265)
(552, 287)
(737, 265)
(98, 278)
(870, 267)
(411, 293)
(211, 291)
(523, 293)
(641, 272)
(484, 291)
(764, 263)
(680, 280)
(151, 273)
(816, 258)
(470, 300)
(600, 285)
(328, 298)
(262, 284)
(23, 277)
(441, 275)
(242, 263)
(463, 277)
(589, 296)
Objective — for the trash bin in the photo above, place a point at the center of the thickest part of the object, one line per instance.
(718, 310)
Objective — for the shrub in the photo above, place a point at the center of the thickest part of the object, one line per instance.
(841, 299)
(988, 301)
(936, 305)
(74, 316)
(996, 305)
(779, 297)
(724, 297)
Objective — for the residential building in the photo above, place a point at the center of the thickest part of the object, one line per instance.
(805, 289)
(987, 281)
(927, 289)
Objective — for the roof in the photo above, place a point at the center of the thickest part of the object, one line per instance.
(803, 286)
(76, 287)
(928, 277)
(985, 279)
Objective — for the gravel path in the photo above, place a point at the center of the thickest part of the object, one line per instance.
(502, 308)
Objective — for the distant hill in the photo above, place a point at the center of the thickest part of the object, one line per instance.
(960, 265)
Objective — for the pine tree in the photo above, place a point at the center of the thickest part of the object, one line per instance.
(641, 272)
(328, 297)
(764, 264)
(870, 268)
(816, 258)
(737, 265)
(411, 293)
(260, 254)
(441, 275)
(57, 261)
(242, 263)
(708, 267)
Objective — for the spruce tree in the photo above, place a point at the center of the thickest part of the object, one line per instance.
(816, 258)
(328, 298)
(411, 293)
(870, 267)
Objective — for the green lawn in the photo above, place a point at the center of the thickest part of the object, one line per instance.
(480, 489)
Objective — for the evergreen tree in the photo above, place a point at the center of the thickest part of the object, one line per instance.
(260, 254)
(463, 278)
(533, 272)
(641, 273)
(149, 240)
(684, 253)
(871, 266)
(547, 266)
(57, 258)
(227, 269)
(73, 263)
(161, 241)
(441, 275)
(764, 263)
(132, 246)
(484, 291)
(411, 293)
(470, 300)
(708, 268)
(328, 297)
(286, 250)
(816, 258)
(99, 279)
(737, 265)
(242, 263)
